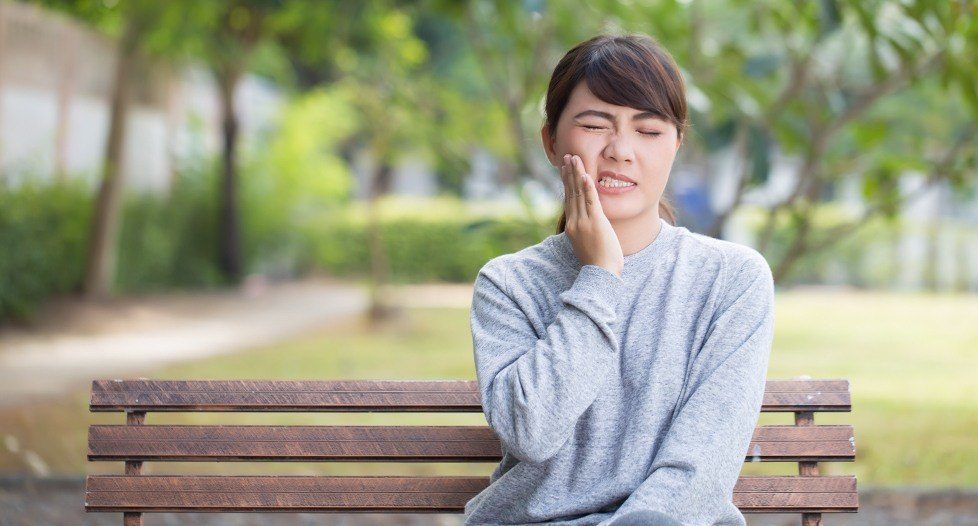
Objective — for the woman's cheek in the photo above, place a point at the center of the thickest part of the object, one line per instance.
(584, 142)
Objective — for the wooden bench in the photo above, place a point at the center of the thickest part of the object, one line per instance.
(134, 443)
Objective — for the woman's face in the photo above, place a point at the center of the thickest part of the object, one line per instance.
(618, 139)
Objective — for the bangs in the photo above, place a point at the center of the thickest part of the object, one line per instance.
(622, 75)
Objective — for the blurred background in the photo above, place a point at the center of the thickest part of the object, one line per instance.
(289, 189)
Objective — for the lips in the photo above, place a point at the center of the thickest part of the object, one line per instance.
(615, 175)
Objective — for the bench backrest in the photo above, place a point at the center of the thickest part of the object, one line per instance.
(135, 443)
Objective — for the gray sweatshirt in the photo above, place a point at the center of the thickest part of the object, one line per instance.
(612, 394)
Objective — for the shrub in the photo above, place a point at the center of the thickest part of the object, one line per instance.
(43, 235)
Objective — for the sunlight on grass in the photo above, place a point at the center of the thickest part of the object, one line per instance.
(910, 360)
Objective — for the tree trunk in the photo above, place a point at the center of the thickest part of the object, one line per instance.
(230, 254)
(932, 234)
(381, 310)
(102, 247)
(742, 156)
(797, 249)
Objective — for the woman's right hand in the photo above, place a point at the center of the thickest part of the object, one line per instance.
(595, 241)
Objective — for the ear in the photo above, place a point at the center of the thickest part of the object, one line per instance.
(548, 145)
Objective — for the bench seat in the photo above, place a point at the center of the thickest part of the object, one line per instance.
(133, 493)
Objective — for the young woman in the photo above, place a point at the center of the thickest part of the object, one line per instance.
(622, 360)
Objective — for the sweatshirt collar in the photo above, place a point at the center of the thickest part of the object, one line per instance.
(564, 250)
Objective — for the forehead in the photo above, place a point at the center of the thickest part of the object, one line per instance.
(582, 98)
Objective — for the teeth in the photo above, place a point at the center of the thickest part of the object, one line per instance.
(614, 183)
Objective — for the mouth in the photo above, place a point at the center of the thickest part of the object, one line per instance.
(609, 179)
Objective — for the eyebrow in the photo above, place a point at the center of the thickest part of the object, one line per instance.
(610, 117)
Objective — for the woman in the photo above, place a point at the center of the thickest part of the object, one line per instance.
(622, 360)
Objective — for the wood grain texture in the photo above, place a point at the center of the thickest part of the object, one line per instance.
(381, 395)
(135, 443)
(134, 418)
(396, 443)
(403, 494)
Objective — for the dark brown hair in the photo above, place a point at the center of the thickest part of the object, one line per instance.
(630, 70)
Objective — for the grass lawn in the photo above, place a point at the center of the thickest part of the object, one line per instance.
(910, 358)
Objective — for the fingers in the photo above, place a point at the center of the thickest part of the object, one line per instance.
(591, 199)
(580, 180)
(570, 200)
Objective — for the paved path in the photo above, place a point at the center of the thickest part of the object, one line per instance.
(135, 335)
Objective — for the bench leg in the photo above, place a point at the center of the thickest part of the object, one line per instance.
(808, 469)
(131, 518)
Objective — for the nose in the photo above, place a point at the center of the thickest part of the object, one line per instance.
(619, 148)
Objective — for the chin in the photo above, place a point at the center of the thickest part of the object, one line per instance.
(621, 211)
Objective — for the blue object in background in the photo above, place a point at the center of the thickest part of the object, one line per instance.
(693, 209)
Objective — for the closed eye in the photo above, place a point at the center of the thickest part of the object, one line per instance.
(650, 134)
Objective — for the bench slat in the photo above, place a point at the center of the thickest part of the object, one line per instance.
(396, 443)
(147, 493)
(381, 395)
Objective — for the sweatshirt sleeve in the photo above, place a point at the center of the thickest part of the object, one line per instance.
(535, 389)
(700, 459)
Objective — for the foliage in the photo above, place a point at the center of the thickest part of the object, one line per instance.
(426, 240)
(871, 256)
(864, 90)
(171, 241)
(43, 234)
(167, 241)
(302, 170)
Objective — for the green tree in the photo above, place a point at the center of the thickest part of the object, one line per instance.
(830, 82)
(516, 45)
(142, 28)
(388, 86)
(369, 53)
(228, 35)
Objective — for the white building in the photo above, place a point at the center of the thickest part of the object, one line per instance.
(55, 86)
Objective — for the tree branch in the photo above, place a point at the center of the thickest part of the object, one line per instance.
(868, 96)
(740, 142)
(940, 173)
(836, 234)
